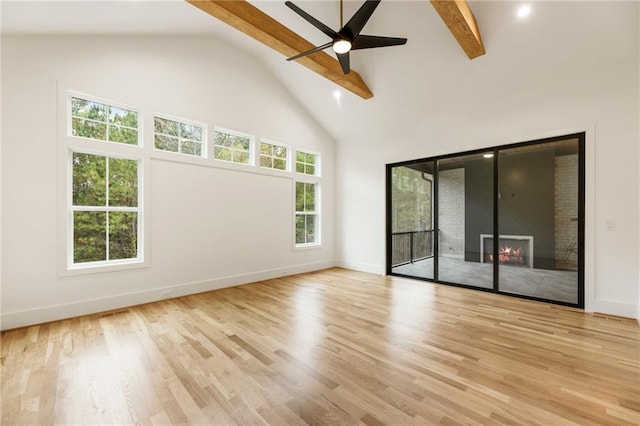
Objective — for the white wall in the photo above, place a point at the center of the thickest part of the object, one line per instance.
(498, 108)
(209, 226)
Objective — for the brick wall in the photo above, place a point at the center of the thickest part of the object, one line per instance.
(566, 211)
(451, 212)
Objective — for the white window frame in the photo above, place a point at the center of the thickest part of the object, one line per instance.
(67, 145)
(287, 159)
(317, 165)
(203, 142)
(317, 212)
(251, 151)
(69, 118)
(107, 209)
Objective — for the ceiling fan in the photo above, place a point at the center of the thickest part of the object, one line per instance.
(349, 37)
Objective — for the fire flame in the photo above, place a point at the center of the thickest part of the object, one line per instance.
(508, 254)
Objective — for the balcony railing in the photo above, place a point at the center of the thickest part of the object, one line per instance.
(409, 247)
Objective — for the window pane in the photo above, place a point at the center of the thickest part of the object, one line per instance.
(299, 196)
(166, 143)
(232, 148)
(89, 180)
(197, 149)
(538, 247)
(123, 235)
(222, 153)
(300, 229)
(299, 167)
(310, 158)
(164, 126)
(222, 139)
(123, 182)
(88, 109)
(265, 148)
(412, 219)
(124, 117)
(88, 129)
(240, 143)
(310, 197)
(310, 170)
(465, 220)
(280, 152)
(242, 157)
(191, 148)
(300, 156)
(124, 135)
(174, 136)
(89, 236)
(310, 235)
(190, 131)
(279, 164)
(265, 161)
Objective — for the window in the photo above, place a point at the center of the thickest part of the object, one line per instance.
(307, 163)
(104, 208)
(306, 214)
(273, 156)
(95, 120)
(178, 136)
(232, 146)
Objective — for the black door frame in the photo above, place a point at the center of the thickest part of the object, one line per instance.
(581, 137)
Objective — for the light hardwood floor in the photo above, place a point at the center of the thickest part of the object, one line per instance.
(332, 347)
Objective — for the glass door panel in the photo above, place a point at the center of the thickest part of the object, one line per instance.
(412, 220)
(465, 218)
(538, 202)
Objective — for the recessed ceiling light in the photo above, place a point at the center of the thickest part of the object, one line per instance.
(337, 94)
(524, 11)
(488, 155)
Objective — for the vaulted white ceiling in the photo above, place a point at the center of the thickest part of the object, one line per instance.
(427, 79)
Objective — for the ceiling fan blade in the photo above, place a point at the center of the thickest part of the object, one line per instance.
(369, 42)
(344, 62)
(309, 52)
(313, 21)
(352, 28)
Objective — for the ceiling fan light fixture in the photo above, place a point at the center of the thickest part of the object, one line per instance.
(341, 46)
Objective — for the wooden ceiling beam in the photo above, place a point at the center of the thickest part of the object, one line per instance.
(458, 17)
(250, 20)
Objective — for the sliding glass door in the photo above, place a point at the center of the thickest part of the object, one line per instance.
(507, 219)
(538, 219)
(411, 214)
(465, 211)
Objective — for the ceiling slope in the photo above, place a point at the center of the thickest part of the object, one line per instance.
(253, 22)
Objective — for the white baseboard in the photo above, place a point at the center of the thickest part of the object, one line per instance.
(44, 314)
(627, 310)
(361, 267)
(16, 319)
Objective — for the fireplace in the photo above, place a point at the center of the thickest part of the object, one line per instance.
(513, 250)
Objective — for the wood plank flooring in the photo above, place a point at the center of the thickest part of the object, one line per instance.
(332, 347)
